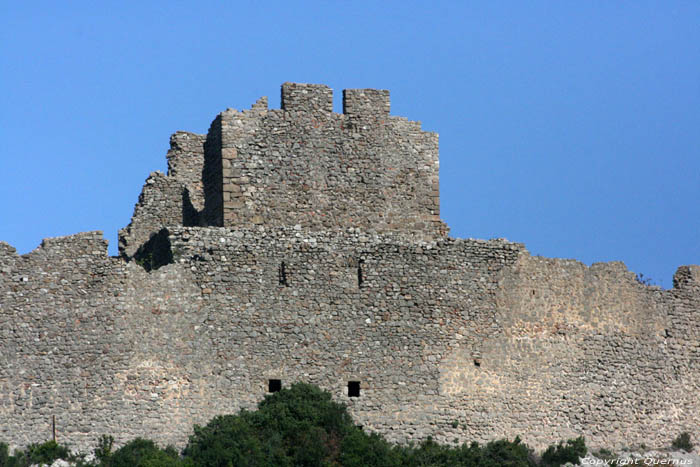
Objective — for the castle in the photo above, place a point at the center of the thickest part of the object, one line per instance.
(299, 244)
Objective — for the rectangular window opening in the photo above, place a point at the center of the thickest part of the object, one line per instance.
(353, 389)
(360, 277)
(274, 385)
(282, 273)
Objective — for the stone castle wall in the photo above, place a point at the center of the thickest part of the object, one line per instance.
(436, 330)
(306, 165)
(455, 330)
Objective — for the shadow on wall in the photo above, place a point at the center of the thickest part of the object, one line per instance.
(156, 252)
(190, 215)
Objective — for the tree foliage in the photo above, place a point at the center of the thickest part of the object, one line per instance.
(560, 454)
(297, 426)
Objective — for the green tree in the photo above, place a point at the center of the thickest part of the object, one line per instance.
(683, 442)
(562, 453)
(297, 426)
(141, 452)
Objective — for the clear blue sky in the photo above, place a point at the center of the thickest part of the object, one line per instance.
(570, 126)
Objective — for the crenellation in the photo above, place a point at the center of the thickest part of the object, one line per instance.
(298, 244)
(277, 168)
(366, 103)
(311, 98)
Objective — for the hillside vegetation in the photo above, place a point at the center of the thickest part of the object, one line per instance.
(297, 426)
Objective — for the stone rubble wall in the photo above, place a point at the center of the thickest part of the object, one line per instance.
(95, 342)
(185, 163)
(306, 165)
(437, 332)
(300, 165)
(173, 199)
(304, 245)
(587, 350)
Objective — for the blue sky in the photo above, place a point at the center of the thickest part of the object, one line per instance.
(570, 126)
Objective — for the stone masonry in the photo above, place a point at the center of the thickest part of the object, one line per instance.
(298, 244)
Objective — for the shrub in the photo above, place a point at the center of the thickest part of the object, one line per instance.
(605, 454)
(300, 425)
(494, 454)
(429, 452)
(360, 449)
(47, 452)
(304, 404)
(4, 455)
(562, 453)
(508, 454)
(19, 459)
(37, 453)
(227, 440)
(682, 441)
(103, 450)
(644, 280)
(141, 452)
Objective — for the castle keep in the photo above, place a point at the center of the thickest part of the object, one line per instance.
(299, 244)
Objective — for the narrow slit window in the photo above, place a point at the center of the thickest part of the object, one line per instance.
(274, 385)
(353, 389)
(283, 274)
(360, 275)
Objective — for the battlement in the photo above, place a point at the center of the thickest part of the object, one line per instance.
(281, 168)
(366, 103)
(316, 98)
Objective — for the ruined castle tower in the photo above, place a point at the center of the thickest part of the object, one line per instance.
(299, 244)
(300, 165)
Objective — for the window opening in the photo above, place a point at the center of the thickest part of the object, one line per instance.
(360, 276)
(282, 273)
(274, 385)
(353, 388)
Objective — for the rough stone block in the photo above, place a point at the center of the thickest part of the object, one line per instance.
(366, 103)
(313, 98)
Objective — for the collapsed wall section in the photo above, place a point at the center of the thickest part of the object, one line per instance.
(173, 199)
